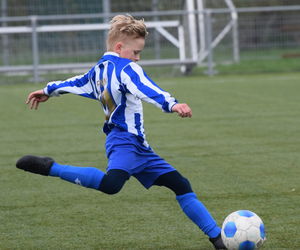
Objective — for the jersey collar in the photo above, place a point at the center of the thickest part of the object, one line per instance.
(110, 53)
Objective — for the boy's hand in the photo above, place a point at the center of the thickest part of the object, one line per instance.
(182, 109)
(34, 98)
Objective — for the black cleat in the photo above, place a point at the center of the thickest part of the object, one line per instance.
(35, 164)
(218, 242)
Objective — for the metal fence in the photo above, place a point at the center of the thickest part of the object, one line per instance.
(263, 33)
(38, 38)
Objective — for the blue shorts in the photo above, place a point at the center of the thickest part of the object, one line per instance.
(126, 151)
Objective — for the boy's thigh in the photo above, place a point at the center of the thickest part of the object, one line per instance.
(149, 175)
(145, 165)
(125, 158)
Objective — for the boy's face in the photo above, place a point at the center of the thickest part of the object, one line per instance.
(131, 48)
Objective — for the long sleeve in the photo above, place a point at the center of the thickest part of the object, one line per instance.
(80, 85)
(141, 86)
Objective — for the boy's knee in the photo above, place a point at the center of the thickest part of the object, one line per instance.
(113, 181)
(176, 182)
(183, 186)
(111, 188)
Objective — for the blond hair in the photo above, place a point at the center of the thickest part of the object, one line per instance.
(124, 26)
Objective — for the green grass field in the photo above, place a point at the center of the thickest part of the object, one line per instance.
(241, 150)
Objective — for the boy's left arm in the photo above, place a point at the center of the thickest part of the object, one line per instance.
(141, 86)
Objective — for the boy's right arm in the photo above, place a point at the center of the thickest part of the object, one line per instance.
(78, 85)
(35, 97)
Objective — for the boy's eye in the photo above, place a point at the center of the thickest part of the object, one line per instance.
(137, 52)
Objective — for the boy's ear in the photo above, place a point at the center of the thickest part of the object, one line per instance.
(118, 47)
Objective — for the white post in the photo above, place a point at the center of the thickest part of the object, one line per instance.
(235, 33)
(156, 34)
(201, 27)
(209, 39)
(5, 42)
(35, 49)
(235, 38)
(182, 55)
(106, 10)
(192, 29)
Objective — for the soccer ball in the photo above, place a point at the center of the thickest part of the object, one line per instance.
(243, 230)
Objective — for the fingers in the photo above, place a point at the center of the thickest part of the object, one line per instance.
(184, 114)
(183, 110)
(34, 104)
(30, 96)
(34, 99)
(31, 100)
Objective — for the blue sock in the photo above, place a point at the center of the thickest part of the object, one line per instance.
(84, 176)
(198, 213)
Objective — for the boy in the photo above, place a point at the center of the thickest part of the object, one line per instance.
(120, 85)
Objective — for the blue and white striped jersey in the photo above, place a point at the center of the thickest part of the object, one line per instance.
(120, 85)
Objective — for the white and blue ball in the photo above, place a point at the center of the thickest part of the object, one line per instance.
(243, 230)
